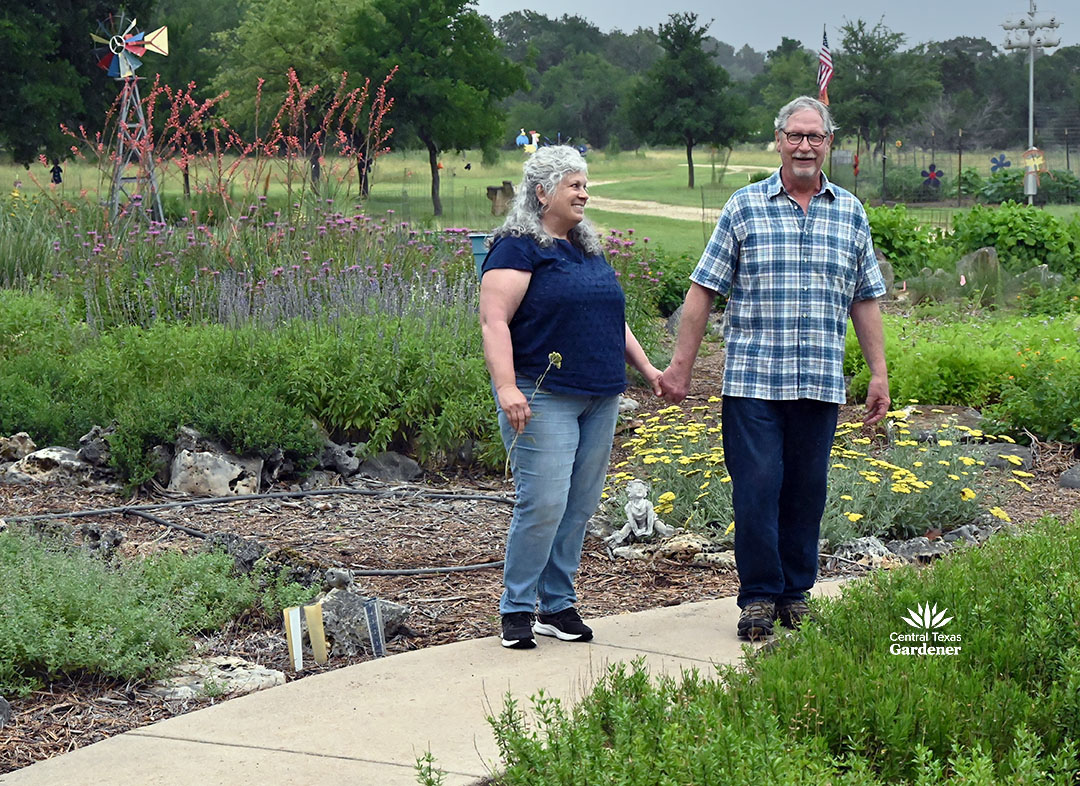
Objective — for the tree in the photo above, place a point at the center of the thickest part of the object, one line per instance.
(685, 98)
(878, 87)
(451, 72)
(581, 98)
(272, 37)
(192, 25)
(48, 74)
(790, 71)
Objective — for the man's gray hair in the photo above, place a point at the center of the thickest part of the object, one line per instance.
(798, 105)
(546, 168)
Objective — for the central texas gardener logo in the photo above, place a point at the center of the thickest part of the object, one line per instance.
(925, 618)
(927, 637)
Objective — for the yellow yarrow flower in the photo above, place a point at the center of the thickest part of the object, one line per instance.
(1016, 461)
(1000, 514)
(966, 493)
(853, 516)
(1021, 474)
(1019, 483)
(846, 497)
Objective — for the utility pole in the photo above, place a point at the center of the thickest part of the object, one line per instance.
(1015, 38)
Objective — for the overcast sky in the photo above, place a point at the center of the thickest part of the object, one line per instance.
(762, 24)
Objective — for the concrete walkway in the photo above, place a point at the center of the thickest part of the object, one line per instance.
(367, 724)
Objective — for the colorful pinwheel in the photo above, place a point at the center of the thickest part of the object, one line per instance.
(932, 175)
(997, 163)
(122, 45)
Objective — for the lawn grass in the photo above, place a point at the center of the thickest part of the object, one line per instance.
(671, 237)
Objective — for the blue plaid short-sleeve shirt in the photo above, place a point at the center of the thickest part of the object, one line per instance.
(790, 279)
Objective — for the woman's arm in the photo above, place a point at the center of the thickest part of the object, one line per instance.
(501, 291)
(637, 358)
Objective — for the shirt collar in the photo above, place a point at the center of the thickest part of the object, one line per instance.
(774, 186)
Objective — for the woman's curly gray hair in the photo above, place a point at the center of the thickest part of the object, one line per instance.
(546, 168)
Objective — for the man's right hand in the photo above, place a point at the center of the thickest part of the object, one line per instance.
(675, 384)
(515, 406)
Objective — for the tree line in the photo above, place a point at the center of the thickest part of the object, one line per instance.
(466, 81)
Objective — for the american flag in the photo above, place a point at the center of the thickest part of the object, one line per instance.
(825, 69)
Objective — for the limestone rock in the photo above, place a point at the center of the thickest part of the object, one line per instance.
(244, 551)
(340, 458)
(345, 624)
(980, 266)
(202, 468)
(320, 479)
(886, 271)
(684, 547)
(391, 467)
(994, 454)
(627, 404)
(629, 552)
(52, 465)
(220, 676)
(16, 446)
(1070, 479)
(869, 552)
(5, 712)
(1040, 276)
(924, 421)
(715, 559)
(921, 550)
(94, 445)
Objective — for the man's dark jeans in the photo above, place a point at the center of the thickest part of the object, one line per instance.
(777, 453)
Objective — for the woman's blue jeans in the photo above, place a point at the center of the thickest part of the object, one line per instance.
(777, 453)
(560, 463)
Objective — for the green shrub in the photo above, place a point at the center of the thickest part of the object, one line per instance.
(908, 184)
(903, 239)
(68, 613)
(1024, 237)
(1007, 185)
(835, 705)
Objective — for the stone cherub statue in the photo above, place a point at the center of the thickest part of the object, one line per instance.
(641, 519)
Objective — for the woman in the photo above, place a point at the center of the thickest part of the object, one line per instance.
(546, 292)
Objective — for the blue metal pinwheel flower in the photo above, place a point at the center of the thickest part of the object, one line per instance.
(932, 175)
(999, 162)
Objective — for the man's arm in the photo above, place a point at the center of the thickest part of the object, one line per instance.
(675, 381)
(866, 317)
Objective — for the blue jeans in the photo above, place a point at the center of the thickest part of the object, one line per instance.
(777, 453)
(560, 463)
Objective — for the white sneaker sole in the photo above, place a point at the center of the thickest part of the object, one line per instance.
(543, 629)
(519, 644)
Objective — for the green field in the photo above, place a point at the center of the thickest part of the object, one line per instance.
(401, 183)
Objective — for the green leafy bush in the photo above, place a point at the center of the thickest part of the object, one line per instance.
(905, 241)
(1058, 186)
(69, 613)
(1024, 370)
(907, 184)
(835, 704)
(1024, 237)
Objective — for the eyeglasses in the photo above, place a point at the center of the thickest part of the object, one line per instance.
(795, 138)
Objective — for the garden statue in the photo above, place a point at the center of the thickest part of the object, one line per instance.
(641, 519)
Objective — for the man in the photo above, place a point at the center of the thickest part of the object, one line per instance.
(794, 255)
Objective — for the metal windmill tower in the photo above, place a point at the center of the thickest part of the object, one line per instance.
(119, 53)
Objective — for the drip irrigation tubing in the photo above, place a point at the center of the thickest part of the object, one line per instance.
(397, 491)
(143, 511)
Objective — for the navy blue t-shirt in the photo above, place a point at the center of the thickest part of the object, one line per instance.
(574, 306)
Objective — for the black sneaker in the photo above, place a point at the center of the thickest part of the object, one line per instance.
(792, 614)
(517, 631)
(565, 625)
(756, 620)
